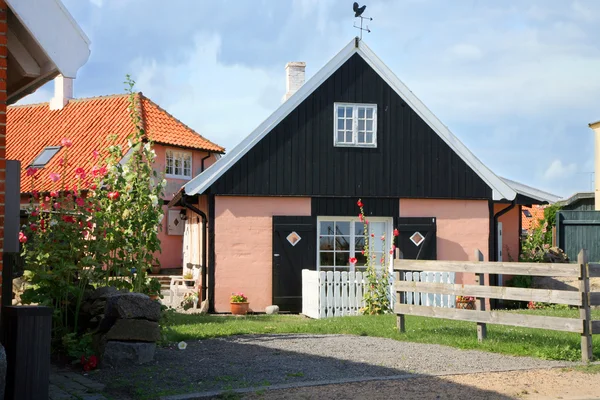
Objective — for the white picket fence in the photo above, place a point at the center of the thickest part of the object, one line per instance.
(430, 299)
(335, 294)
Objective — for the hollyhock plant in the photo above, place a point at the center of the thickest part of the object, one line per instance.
(65, 142)
(31, 171)
(80, 173)
(54, 177)
(22, 237)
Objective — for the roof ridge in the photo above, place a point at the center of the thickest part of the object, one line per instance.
(75, 99)
(179, 121)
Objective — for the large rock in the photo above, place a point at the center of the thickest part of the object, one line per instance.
(132, 306)
(135, 330)
(120, 354)
(102, 293)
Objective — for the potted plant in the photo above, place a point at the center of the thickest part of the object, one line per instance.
(152, 288)
(190, 300)
(465, 302)
(188, 277)
(239, 304)
(155, 269)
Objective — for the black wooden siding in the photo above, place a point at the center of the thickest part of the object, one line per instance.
(298, 158)
(378, 207)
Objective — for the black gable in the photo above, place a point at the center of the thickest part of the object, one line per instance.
(298, 158)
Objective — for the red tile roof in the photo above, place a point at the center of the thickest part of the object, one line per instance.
(88, 123)
(537, 214)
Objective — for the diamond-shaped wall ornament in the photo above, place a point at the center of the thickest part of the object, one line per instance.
(176, 222)
(293, 238)
(417, 238)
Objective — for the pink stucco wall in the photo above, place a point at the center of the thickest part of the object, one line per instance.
(462, 227)
(243, 246)
(511, 232)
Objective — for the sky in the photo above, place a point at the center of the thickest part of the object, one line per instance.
(516, 81)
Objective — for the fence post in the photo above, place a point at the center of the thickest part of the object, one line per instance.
(481, 327)
(400, 319)
(584, 310)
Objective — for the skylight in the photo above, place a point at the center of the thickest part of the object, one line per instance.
(527, 213)
(45, 156)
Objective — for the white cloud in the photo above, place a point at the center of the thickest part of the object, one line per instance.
(97, 3)
(465, 51)
(558, 170)
(41, 95)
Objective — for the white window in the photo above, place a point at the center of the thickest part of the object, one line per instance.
(341, 238)
(179, 164)
(355, 125)
(42, 159)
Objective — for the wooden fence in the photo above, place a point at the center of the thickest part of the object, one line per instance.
(582, 298)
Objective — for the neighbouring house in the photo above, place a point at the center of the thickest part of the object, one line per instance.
(531, 217)
(35, 132)
(580, 201)
(284, 199)
(39, 40)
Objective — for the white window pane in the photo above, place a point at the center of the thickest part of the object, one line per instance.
(342, 259)
(326, 258)
(326, 243)
(342, 243)
(361, 112)
(342, 228)
(340, 124)
(326, 228)
(361, 124)
(369, 138)
(340, 137)
(348, 124)
(369, 112)
(340, 112)
(348, 112)
(361, 137)
(369, 124)
(348, 136)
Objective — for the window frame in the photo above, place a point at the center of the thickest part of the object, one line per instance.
(56, 149)
(181, 154)
(355, 107)
(352, 234)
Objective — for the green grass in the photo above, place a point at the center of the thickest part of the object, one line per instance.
(501, 339)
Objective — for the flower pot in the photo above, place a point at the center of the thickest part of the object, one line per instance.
(465, 305)
(239, 308)
(156, 269)
(153, 297)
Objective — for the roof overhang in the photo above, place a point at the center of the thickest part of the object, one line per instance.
(500, 190)
(43, 41)
(576, 197)
(527, 195)
(594, 125)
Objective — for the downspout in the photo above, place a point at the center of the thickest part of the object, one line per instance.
(496, 217)
(202, 161)
(195, 209)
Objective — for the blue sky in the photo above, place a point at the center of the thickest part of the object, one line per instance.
(517, 81)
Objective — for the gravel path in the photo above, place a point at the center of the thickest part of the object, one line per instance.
(266, 360)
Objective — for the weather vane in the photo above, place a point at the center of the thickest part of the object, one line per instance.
(358, 11)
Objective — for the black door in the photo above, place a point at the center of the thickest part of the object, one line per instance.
(417, 238)
(294, 241)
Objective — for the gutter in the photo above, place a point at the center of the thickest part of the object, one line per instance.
(496, 216)
(195, 209)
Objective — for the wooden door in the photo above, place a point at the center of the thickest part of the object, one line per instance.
(417, 238)
(294, 249)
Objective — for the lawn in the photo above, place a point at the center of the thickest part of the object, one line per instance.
(501, 339)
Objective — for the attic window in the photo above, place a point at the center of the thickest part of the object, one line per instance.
(527, 213)
(179, 164)
(45, 156)
(355, 125)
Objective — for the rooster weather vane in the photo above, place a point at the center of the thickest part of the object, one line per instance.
(358, 11)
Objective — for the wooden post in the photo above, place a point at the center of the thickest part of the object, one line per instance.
(481, 327)
(400, 319)
(584, 311)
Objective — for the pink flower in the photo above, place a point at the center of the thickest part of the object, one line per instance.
(372, 235)
(353, 260)
(366, 221)
(113, 195)
(362, 252)
(66, 142)
(35, 194)
(54, 177)
(61, 162)
(360, 217)
(382, 237)
(22, 237)
(33, 227)
(396, 233)
(31, 171)
(95, 154)
(102, 170)
(54, 193)
(47, 198)
(80, 201)
(80, 173)
(359, 203)
(35, 213)
(56, 205)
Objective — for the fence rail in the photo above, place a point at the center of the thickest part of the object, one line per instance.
(582, 298)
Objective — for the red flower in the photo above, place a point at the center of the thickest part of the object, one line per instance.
(33, 227)
(56, 205)
(113, 195)
(66, 142)
(80, 173)
(102, 171)
(353, 260)
(396, 233)
(372, 235)
(80, 201)
(359, 203)
(68, 218)
(35, 213)
(360, 217)
(22, 237)
(90, 225)
(54, 193)
(366, 221)
(93, 361)
(95, 154)
(93, 187)
(35, 194)
(31, 171)
(362, 252)
(43, 225)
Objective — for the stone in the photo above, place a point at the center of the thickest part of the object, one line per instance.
(102, 293)
(2, 371)
(120, 354)
(555, 255)
(132, 306)
(97, 307)
(272, 310)
(135, 330)
(105, 323)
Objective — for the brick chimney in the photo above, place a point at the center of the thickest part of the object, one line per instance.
(294, 77)
(63, 92)
(596, 128)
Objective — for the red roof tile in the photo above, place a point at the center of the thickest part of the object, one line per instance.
(88, 123)
(537, 214)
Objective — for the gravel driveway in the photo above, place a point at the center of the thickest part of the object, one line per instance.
(256, 361)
